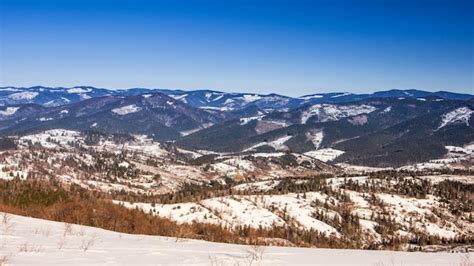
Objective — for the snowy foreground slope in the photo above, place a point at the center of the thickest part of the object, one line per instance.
(25, 240)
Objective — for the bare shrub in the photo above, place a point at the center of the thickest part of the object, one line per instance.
(215, 261)
(4, 259)
(466, 260)
(6, 223)
(61, 242)
(81, 232)
(7, 227)
(24, 248)
(27, 248)
(183, 232)
(67, 229)
(87, 244)
(42, 231)
(5, 218)
(254, 254)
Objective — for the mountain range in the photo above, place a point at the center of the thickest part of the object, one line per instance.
(386, 128)
(208, 99)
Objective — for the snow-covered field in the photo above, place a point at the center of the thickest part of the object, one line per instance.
(325, 155)
(29, 241)
(297, 210)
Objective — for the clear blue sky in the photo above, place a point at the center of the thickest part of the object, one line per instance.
(288, 47)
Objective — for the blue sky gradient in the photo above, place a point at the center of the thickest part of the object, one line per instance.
(288, 47)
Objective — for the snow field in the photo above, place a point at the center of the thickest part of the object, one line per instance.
(264, 211)
(297, 210)
(324, 155)
(30, 241)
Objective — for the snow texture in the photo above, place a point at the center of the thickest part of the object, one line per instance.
(330, 112)
(277, 144)
(324, 155)
(30, 241)
(315, 138)
(125, 110)
(26, 95)
(77, 90)
(459, 115)
(9, 111)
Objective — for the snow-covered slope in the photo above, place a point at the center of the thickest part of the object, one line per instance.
(330, 112)
(217, 100)
(25, 240)
(320, 212)
(149, 167)
(26, 95)
(459, 115)
(278, 144)
(324, 155)
(9, 111)
(250, 211)
(125, 110)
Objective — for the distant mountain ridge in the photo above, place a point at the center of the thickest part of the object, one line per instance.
(157, 115)
(387, 128)
(207, 99)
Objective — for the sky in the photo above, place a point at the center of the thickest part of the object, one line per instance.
(288, 47)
